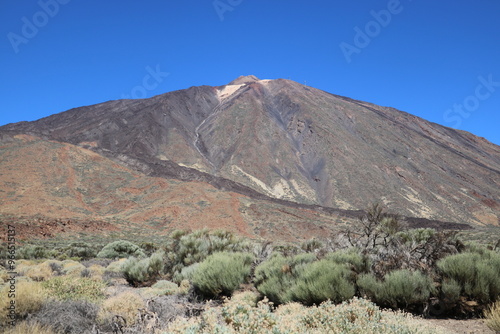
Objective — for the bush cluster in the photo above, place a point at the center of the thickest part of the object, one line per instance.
(184, 249)
(143, 271)
(399, 288)
(222, 273)
(121, 249)
(379, 260)
(471, 274)
(241, 315)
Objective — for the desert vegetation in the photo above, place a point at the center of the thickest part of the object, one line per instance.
(377, 276)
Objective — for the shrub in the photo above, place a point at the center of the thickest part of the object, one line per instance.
(29, 298)
(353, 317)
(352, 257)
(121, 249)
(185, 249)
(30, 252)
(80, 250)
(116, 266)
(311, 245)
(450, 290)
(222, 273)
(31, 328)
(275, 277)
(36, 272)
(68, 316)
(72, 268)
(148, 247)
(186, 273)
(320, 281)
(125, 304)
(399, 289)
(75, 288)
(138, 271)
(166, 287)
(94, 271)
(477, 274)
(160, 288)
(492, 315)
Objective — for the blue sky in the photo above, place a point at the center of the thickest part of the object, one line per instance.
(439, 60)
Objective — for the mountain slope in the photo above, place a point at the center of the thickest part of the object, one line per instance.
(63, 181)
(293, 142)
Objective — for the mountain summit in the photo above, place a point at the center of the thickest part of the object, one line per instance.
(244, 80)
(288, 141)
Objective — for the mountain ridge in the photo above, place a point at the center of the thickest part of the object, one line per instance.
(297, 143)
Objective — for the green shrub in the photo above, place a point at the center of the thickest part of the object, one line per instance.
(275, 277)
(304, 279)
(451, 290)
(138, 271)
(121, 249)
(352, 257)
(477, 274)
(321, 281)
(30, 252)
(222, 273)
(185, 249)
(186, 273)
(399, 289)
(417, 235)
(311, 245)
(80, 250)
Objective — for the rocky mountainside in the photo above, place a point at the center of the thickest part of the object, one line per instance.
(279, 139)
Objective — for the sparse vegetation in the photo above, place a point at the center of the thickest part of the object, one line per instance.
(289, 288)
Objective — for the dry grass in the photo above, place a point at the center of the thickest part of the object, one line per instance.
(72, 268)
(96, 271)
(492, 315)
(36, 272)
(31, 328)
(29, 297)
(125, 304)
(4, 276)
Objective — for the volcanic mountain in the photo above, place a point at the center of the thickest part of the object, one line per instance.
(280, 140)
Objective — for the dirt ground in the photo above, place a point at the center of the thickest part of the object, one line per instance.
(452, 326)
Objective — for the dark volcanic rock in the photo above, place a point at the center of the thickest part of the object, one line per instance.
(279, 139)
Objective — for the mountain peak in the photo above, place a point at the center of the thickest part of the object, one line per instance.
(244, 79)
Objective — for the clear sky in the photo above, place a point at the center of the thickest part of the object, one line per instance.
(439, 60)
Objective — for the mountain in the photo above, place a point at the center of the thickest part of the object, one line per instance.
(278, 139)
